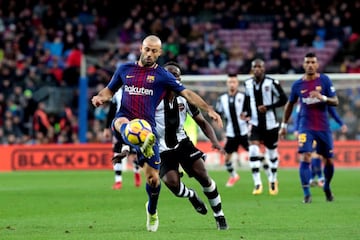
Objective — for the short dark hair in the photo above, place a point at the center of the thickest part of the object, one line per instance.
(172, 63)
(310, 55)
(232, 75)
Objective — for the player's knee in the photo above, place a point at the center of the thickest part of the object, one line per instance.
(273, 154)
(153, 180)
(254, 150)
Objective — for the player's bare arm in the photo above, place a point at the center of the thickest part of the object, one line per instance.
(102, 97)
(287, 113)
(208, 131)
(196, 100)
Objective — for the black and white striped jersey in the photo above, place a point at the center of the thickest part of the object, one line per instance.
(170, 118)
(267, 92)
(230, 107)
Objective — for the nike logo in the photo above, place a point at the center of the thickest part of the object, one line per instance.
(130, 76)
(303, 91)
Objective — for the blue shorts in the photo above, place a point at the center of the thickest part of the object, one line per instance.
(324, 142)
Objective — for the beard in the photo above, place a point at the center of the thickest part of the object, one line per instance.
(147, 62)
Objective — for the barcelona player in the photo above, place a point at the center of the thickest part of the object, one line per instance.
(316, 94)
(144, 85)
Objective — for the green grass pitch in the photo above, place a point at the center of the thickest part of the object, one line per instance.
(82, 205)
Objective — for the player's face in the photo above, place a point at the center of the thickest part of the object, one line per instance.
(150, 52)
(232, 84)
(175, 71)
(310, 65)
(258, 69)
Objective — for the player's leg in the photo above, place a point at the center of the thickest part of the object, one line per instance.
(117, 165)
(271, 143)
(255, 158)
(210, 190)
(153, 191)
(132, 157)
(316, 171)
(230, 148)
(325, 147)
(170, 175)
(305, 140)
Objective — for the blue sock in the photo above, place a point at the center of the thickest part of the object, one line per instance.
(328, 173)
(153, 194)
(316, 167)
(305, 175)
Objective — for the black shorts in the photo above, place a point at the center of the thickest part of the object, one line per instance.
(232, 144)
(185, 155)
(268, 137)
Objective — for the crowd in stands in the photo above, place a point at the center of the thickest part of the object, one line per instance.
(41, 44)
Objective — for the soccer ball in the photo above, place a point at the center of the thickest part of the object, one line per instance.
(137, 130)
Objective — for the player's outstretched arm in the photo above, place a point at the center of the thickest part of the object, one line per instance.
(208, 130)
(102, 97)
(287, 113)
(196, 100)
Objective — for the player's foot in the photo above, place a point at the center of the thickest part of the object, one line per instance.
(321, 183)
(221, 223)
(329, 196)
(273, 188)
(232, 181)
(152, 220)
(117, 186)
(307, 199)
(258, 190)
(147, 147)
(137, 179)
(198, 204)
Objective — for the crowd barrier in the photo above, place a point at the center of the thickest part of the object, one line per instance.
(98, 156)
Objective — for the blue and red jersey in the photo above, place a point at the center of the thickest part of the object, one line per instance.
(313, 113)
(143, 89)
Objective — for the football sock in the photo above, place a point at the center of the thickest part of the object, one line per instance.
(214, 198)
(230, 168)
(305, 175)
(328, 173)
(153, 194)
(273, 164)
(184, 192)
(118, 172)
(316, 167)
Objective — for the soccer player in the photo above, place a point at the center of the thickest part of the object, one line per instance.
(316, 169)
(120, 151)
(176, 149)
(144, 85)
(230, 105)
(316, 93)
(263, 96)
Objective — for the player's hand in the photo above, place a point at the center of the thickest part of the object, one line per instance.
(262, 108)
(217, 146)
(282, 132)
(243, 116)
(316, 94)
(97, 101)
(216, 117)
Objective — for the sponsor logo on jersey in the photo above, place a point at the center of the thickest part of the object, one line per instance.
(140, 91)
(310, 100)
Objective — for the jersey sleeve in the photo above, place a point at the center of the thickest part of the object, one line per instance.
(116, 80)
